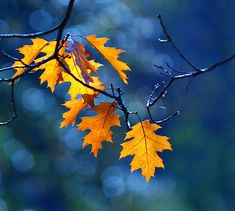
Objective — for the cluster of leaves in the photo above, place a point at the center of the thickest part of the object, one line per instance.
(75, 62)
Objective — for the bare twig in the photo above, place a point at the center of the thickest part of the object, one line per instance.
(152, 100)
(36, 34)
(11, 67)
(118, 97)
(12, 99)
(168, 118)
(12, 82)
(56, 55)
(116, 94)
(62, 25)
(29, 67)
(169, 39)
(27, 70)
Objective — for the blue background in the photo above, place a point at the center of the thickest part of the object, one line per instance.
(44, 168)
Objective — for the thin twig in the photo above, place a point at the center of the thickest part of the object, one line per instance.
(189, 75)
(62, 25)
(11, 67)
(30, 67)
(36, 34)
(27, 70)
(12, 99)
(168, 118)
(14, 58)
(118, 98)
(169, 39)
(151, 101)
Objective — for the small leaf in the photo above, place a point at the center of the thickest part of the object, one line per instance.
(99, 125)
(111, 54)
(30, 52)
(75, 106)
(52, 73)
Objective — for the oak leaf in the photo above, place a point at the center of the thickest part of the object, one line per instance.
(99, 125)
(144, 145)
(77, 88)
(89, 98)
(75, 106)
(30, 52)
(81, 58)
(111, 54)
(52, 70)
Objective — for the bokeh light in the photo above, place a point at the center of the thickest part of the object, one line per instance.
(43, 167)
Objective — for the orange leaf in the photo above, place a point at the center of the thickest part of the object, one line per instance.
(111, 54)
(77, 88)
(144, 145)
(99, 125)
(89, 99)
(80, 54)
(52, 69)
(30, 52)
(75, 106)
(52, 73)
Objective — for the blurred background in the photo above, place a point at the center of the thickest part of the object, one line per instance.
(43, 168)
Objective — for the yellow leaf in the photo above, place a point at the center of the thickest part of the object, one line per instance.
(52, 69)
(144, 145)
(77, 88)
(75, 106)
(30, 52)
(81, 55)
(111, 54)
(99, 125)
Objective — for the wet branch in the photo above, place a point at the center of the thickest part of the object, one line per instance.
(169, 39)
(161, 90)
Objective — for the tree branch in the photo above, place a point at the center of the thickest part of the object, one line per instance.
(169, 39)
(117, 98)
(161, 88)
(172, 78)
(36, 34)
(12, 99)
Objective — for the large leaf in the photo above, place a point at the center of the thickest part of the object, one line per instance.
(76, 88)
(81, 59)
(144, 145)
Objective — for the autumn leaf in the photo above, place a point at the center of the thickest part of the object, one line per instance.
(111, 54)
(52, 69)
(30, 52)
(81, 56)
(99, 125)
(77, 88)
(144, 145)
(89, 99)
(75, 106)
(52, 73)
